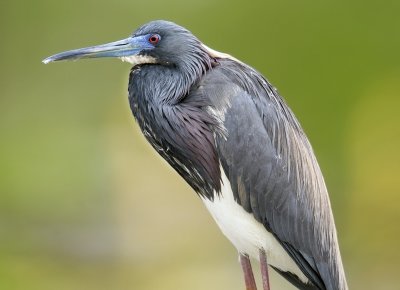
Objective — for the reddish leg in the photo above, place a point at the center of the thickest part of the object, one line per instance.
(264, 269)
(248, 272)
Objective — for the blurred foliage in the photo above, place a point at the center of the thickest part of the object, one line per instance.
(85, 203)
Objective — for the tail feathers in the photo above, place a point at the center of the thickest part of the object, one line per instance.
(292, 278)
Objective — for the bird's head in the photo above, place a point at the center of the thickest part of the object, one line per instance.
(157, 42)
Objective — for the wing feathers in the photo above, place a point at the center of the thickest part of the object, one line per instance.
(273, 171)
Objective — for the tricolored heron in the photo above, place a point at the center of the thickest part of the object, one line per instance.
(225, 129)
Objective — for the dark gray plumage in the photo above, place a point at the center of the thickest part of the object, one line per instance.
(201, 109)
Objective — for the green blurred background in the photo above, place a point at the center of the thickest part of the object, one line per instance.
(86, 204)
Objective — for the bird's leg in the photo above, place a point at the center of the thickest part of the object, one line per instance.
(264, 269)
(248, 272)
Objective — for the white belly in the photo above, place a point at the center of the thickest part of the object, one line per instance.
(246, 233)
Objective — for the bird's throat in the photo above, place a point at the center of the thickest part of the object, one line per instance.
(139, 59)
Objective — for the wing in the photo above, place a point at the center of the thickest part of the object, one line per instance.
(273, 171)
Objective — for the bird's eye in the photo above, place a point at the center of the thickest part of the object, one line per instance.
(154, 39)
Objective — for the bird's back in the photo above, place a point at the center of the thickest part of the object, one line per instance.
(272, 170)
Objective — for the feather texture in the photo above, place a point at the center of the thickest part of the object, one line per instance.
(201, 109)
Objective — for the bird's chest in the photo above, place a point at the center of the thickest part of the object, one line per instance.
(148, 120)
(146, 110)
(181, 133)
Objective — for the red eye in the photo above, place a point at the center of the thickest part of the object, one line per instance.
(154, 39)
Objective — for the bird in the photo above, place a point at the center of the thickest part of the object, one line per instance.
(230, 135)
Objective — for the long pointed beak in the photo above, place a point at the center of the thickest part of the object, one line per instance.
(125, 47)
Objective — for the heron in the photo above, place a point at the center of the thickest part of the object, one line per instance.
(229, 134)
